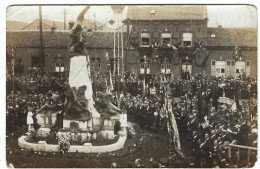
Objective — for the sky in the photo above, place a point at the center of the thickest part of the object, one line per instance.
(225, 15)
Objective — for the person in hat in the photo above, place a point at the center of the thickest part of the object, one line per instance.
(163, 163)
(139, 163)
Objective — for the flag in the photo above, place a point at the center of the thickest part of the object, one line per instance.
(174, 138)
(110, 86)
(202, 111)
(234, 107)
(163, 79)
(144, 88)
(174, 47)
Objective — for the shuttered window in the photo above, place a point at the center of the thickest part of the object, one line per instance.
(213, 68)
(248, 67)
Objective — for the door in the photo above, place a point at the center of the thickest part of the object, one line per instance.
(240, 68)
(36, 61)
(220, 69)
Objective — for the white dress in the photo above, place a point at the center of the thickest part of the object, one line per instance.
(29, 118)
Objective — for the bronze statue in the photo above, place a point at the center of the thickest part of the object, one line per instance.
(78, 35)
(76, 103)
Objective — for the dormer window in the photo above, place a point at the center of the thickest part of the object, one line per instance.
(187, 39)
(166, 39)
(145, 39)
(213, 35)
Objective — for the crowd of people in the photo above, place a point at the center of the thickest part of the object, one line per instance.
(27, 93)
(205, 131)
(206, 124)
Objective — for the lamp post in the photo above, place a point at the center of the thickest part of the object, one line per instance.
(145, 65)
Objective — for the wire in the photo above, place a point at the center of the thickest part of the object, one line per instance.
(14, 12)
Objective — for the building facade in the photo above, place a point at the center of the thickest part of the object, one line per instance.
(177, 39)
(157, 40)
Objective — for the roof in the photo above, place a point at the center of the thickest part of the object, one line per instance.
(232, 37)
(58, 39)
(90, 24)
(15, 25)
(168, 12)
(224, 37)
(47, 24)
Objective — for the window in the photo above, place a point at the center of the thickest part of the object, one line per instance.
(213, 62)
(168, 66)
(233, 63)
(145, 39)
(187, 39)
(153, 11)
(228, 63)
(59, 66)
(145, 68)
(248, 67)
(165, 68)
(166, 39)
(162, 66)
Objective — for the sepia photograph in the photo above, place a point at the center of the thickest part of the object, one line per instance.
(131, 86)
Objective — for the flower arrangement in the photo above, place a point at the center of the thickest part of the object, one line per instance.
(64, 144)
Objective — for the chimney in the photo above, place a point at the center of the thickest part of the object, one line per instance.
(220, 26)
(71, 23)
(53, 28)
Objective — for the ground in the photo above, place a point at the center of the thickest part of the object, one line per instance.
(145, 145)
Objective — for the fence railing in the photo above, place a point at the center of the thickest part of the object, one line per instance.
(239, 147)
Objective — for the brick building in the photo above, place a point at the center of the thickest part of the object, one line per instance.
(157, 39)
(176, 38)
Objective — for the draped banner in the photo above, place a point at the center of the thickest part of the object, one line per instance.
(174, 138)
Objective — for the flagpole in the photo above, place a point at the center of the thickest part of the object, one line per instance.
(114, 70)
(122, 47)
(118, 55)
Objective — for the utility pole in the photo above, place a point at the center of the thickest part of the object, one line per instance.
(41, 37)
(95, 24)
(13, 65)
(65, 12)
